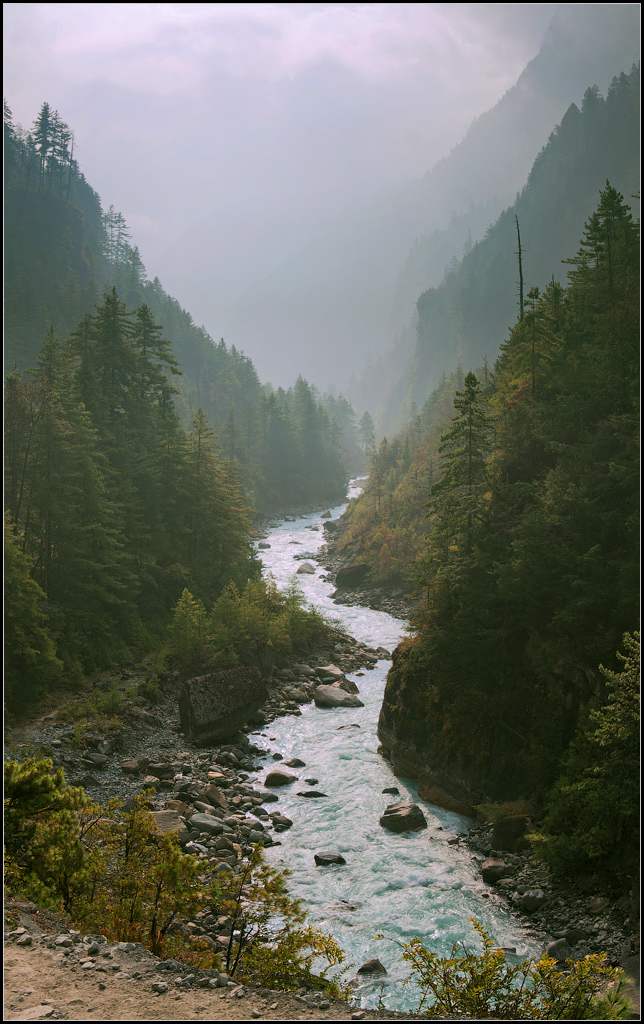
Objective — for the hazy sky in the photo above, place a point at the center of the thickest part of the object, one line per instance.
(227, 134)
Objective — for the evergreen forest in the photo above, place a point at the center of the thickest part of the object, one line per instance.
(137, 450)
(503, 501)
(64, 254)
(463, 319)
(511, 501)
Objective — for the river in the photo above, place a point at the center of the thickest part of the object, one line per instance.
(414, 884)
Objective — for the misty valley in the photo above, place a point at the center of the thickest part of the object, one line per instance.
(322, 679)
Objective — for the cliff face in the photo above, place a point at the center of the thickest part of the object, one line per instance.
(503, 754)
(409, 739)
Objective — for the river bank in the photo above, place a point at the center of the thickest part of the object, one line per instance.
(64, 980)
(151, 752)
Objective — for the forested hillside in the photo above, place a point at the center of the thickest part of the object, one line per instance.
(112, 508)
(530, 569)
(464, 319)
(63, 254)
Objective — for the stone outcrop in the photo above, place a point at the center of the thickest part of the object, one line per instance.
(436, 789)
(352, 575)
(407, 739)
(215, 706)
(509, 834)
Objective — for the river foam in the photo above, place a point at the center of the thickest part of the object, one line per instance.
(414, 884)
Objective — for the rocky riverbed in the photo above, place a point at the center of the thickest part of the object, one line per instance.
(206, 794)
(395, 600)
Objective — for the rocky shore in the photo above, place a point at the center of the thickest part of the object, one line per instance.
(206, 796)
(203, 795)
(395, 600)
(570, 919)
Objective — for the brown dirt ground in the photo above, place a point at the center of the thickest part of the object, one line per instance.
(38, 985)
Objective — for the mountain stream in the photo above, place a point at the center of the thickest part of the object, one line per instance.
(400, 885)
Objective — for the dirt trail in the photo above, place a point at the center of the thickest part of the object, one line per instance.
(116, 983)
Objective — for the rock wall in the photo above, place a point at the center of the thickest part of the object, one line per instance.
(456, 768)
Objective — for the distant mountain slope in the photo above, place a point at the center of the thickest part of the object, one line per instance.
(466, 318)
(352, 290)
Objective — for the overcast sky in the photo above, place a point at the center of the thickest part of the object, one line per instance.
(241, 129)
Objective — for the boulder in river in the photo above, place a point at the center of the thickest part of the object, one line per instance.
(326, 857)
(305, 569)
(334, 697)
(403, 817)
(280, 822)
(372, 967)
(278, 778)
(347, 685)
(214, 707)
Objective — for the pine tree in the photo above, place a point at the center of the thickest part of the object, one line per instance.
(464, 451)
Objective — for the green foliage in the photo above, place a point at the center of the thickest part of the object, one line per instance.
(44, 852)
(494, 812)
(385, 526)
(63, 253)
(467, 315)
(188, 648)
(530, 575)
(240, 625)
(31, 664)
(99, 710)
(139, 882)
(271, 944)
(484, 986)
(111, 871)
(593, 810)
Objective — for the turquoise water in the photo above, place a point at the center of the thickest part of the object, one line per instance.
(399, 885)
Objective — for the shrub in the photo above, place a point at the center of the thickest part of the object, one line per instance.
(270, 941)
(44, 853)
(593, 809)
(107, 869)
(140, 882)
(484, 986)
(113, 872)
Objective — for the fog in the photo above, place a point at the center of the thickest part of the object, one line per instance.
(243, 143)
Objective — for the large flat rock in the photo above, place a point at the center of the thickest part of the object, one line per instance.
(214, 707)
